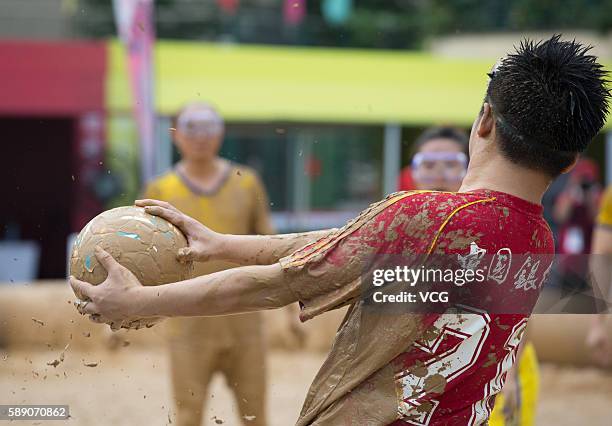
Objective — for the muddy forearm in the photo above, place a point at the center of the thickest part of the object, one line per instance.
(233, 291)
(265, 249)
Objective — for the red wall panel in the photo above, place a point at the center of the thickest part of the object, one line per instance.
(51, 78)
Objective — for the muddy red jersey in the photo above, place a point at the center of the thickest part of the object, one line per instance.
(418, 367)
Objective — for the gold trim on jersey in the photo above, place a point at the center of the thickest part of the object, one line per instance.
(450, 216)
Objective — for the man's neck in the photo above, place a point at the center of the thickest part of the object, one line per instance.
(499, 174)
(201, 170)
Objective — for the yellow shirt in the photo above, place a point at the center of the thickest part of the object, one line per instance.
(238, 206)
(605, 210)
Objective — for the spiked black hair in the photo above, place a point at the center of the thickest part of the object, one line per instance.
(549, 99)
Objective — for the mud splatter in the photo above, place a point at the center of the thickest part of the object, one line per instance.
(435, 383)
(59, 360)
(431, 333)
(418, 369)
(491, 360)
(424, 407)
(501, 326)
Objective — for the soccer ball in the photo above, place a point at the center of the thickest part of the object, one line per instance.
(147, 245)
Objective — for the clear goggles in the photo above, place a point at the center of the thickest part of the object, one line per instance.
(433, 166)
(200, 123)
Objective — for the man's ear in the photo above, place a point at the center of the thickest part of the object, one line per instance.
(176, 136)
(487, 121)
(571, 166)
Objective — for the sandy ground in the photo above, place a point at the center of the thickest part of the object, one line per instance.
(130, 387)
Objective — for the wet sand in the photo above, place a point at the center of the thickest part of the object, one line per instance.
(131, 387)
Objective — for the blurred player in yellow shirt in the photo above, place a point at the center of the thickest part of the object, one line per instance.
(439, 163)
(598, 339)
(227, 198)
(604, 220)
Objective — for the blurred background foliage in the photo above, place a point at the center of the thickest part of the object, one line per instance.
(389, 24)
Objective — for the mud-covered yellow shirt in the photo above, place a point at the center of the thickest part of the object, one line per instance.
(605, 210)
(239, 205)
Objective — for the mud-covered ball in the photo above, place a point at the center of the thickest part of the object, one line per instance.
(147, 245)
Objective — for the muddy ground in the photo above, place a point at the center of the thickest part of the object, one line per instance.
(131, 387)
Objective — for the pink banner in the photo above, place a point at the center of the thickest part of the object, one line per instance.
(135, 24)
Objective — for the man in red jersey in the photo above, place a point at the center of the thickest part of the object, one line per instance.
(544, 103)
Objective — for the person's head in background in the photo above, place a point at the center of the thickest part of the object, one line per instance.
(199, 132)
(440, 161)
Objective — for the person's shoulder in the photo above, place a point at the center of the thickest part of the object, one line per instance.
(416, 204)
(166, 180)
(243, 175)
(438, 200)
(243, 170)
